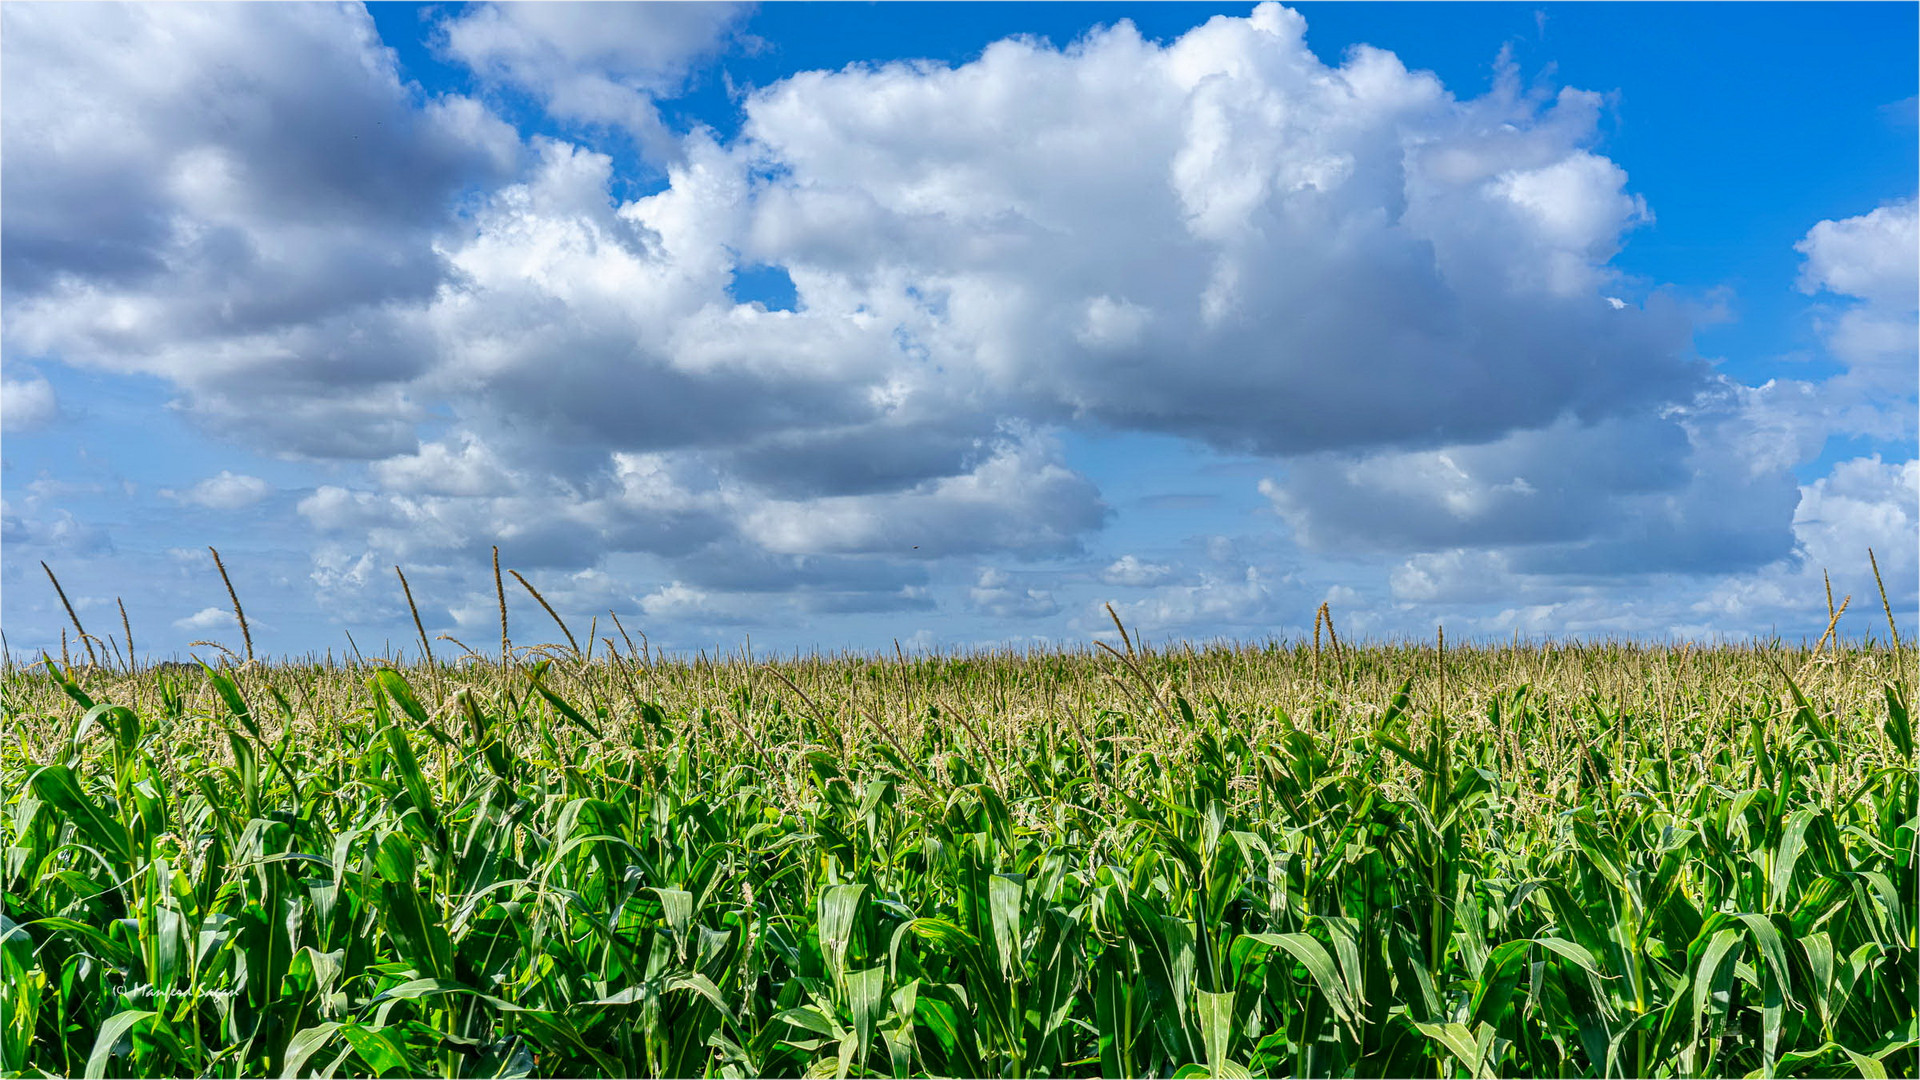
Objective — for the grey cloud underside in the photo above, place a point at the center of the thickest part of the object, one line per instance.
(855, 460)
(1378, 350)
(861, 602)
(592, 397)
(737, 567)
(1680, 493)
(1531, 488)
(119, 247)
(1294, 389)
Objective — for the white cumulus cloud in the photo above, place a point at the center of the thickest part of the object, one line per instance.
(591, 62)
(1134, 571)
(996, 593)
(1251, 601)
(227, 491)
(27, 404)
(207, 618)
(1875, 256)
(1874, 260)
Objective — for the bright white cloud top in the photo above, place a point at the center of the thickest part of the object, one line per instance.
(442, 332)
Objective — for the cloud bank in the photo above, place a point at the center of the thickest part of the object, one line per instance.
(1402, 298)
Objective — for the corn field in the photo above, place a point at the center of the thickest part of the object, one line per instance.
(1587, 860)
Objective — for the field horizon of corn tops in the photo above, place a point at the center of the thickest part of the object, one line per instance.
(1559, 860)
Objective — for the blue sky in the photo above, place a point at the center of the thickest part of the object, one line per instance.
(838, 324)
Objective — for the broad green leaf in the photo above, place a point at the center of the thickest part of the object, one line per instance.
(1459, 1042)
(1216, 1014)
(111, 1032)
(304, 1044)
(839, 906)
(1710, 980)
(1313, 956)
(59, 787)
(866, 999)
(1499, 978)
(1003, 897)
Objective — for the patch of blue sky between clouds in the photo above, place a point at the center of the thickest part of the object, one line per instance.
(769, 286)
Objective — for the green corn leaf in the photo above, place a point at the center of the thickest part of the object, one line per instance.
(235, 702)
(560, 1035)
(1216, 1015)
(1807, 717)
(1773, 950)
(561, 705)
(117, 1026)
(1818, 950)
(1863, 1065)
(1582, 959)
(1500, 976)
(1458, 1041)
(866, 1000)
(703, 987)
(416, 989)
(1320, 968)
(304, 1044)
(950, 1030)
(677, 905)
(402, 694)
(1793, 841)
(121, 722)
(1410, 967)
(1871, 1068)
(1396, 707)
(1114, 1017)
(383, 1055)
(1003, 899)
(420, 938)
(1403, 751)
(64, 681)
(416, 783)
(839, 906)
(942, 934)
(1899, 725)
(59, 787)
(1346, 933)
(1710, 981)
(901, 1038)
